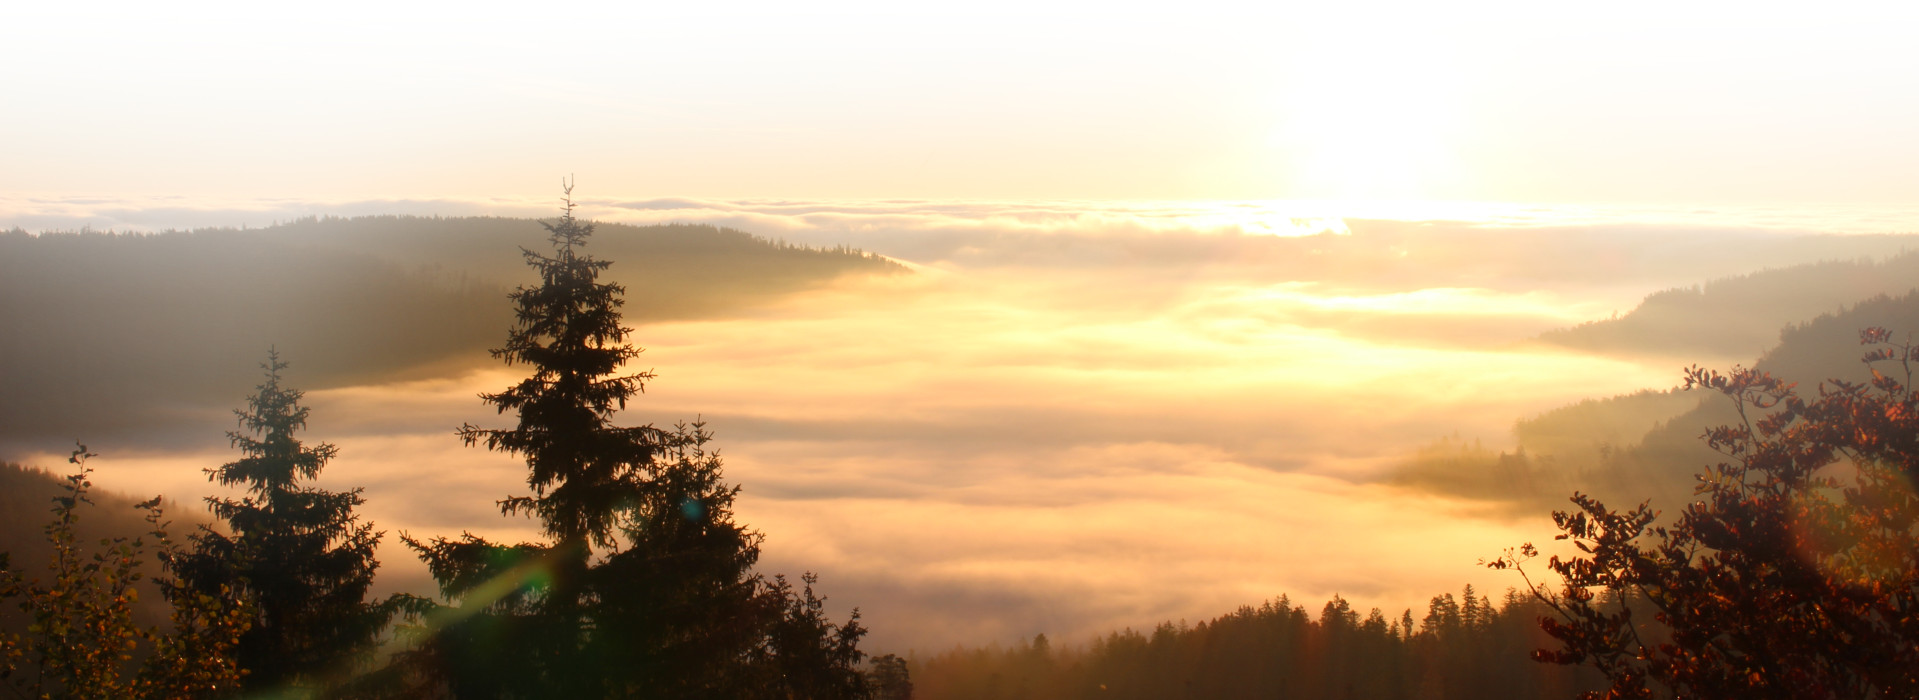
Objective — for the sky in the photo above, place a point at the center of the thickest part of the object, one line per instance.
(1636, 102)
(1086, 409)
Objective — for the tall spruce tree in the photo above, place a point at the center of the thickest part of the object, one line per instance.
(569, 333)
(645, 587)
(298, 553)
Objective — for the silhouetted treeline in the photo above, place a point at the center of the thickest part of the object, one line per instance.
(1459, 647)
(133, 338)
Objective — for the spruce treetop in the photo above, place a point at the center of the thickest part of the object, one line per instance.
(569, 331)
(274, 459)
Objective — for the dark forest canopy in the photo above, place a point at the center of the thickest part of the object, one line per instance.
(1461, 647)
(129, 337)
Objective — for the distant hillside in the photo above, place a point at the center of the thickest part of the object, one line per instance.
(127, 337)
(1630, 448)
(1809, 353)
(671, 271)
(1827, 347)
(1739, 316)
(26, 503)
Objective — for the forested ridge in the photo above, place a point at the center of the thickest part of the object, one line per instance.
(136, 336)
(1741, 316)
(1646, 444)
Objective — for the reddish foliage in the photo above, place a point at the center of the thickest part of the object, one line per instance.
(1793, 574)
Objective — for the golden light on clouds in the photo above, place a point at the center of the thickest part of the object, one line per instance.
(1187, 282)
(957, 450)
(1072, 417)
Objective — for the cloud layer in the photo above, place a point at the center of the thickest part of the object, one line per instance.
(978, 456)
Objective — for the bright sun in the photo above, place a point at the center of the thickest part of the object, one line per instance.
(1361, 145)
(1369, 125)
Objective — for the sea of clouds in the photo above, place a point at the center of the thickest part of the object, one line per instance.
(1073, 417)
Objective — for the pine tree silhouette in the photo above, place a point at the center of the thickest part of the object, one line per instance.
(299, 553)
(645, 588)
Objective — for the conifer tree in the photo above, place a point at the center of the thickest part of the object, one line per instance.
(890, 679)
(299, 553)
(645, 587)
(569, 333)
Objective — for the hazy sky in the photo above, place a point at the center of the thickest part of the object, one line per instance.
(1502, 101)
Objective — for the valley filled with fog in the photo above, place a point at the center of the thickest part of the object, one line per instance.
(1060, 419)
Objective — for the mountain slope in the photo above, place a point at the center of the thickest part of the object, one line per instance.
(1635, 447)
(1740, 316)
(26, 507)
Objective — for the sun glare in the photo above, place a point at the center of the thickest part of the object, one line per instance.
(1368, 123)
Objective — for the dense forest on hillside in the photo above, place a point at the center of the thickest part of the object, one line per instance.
(1740, 316)
(112, 332)
(681, 270)
(1646, 444)
(134, 336)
